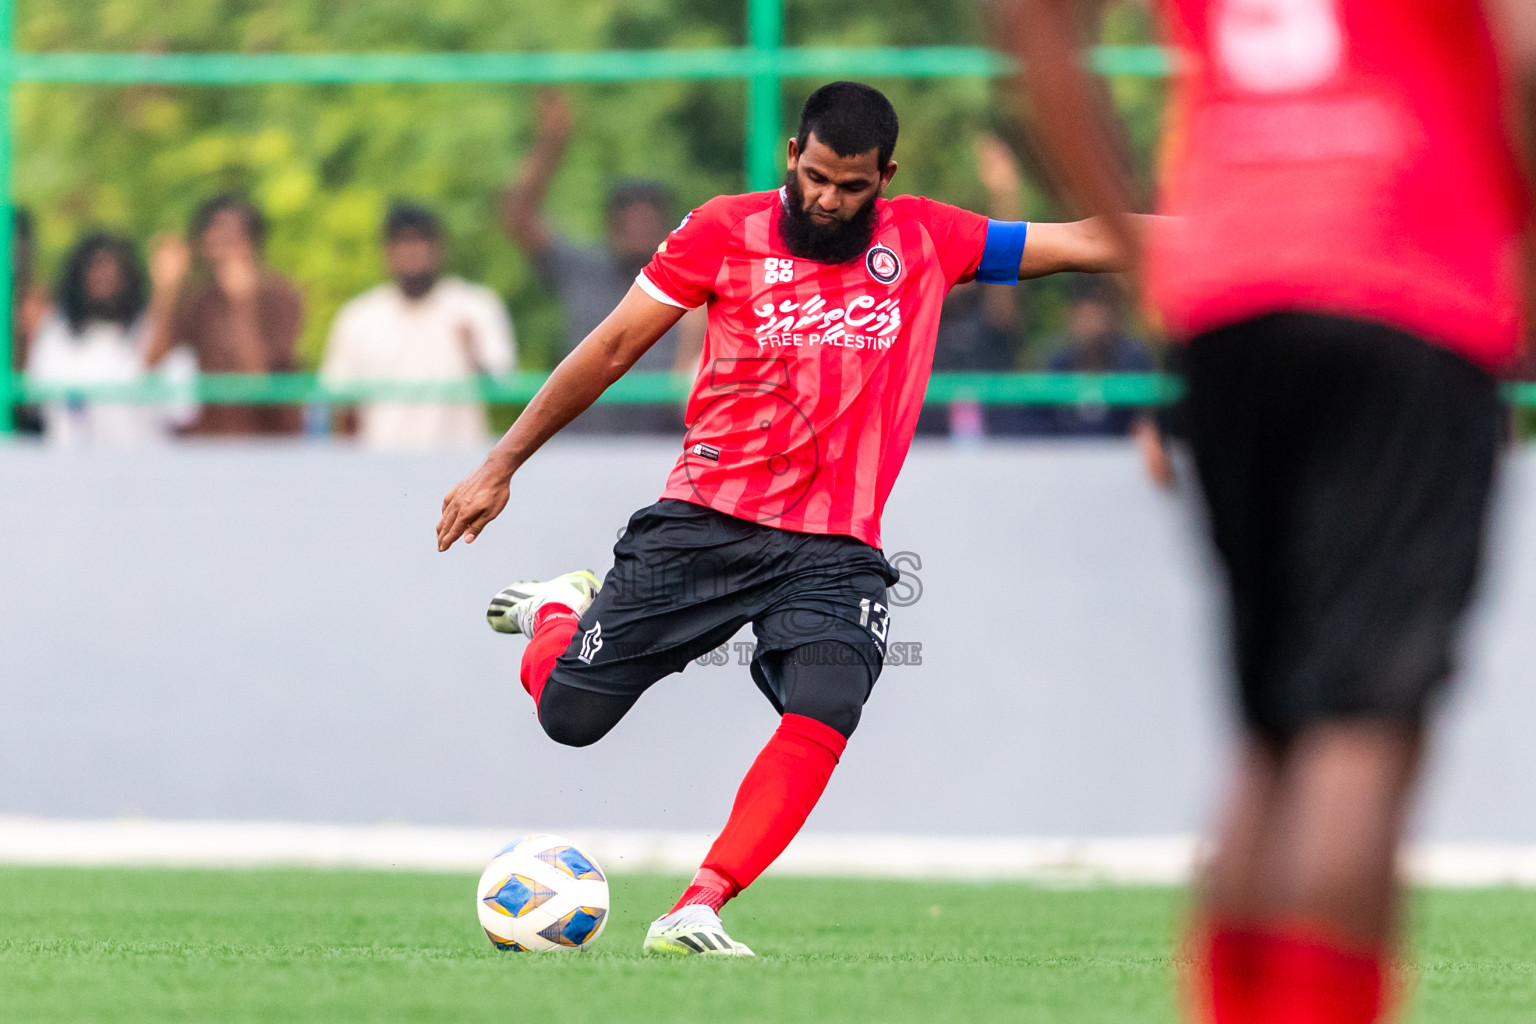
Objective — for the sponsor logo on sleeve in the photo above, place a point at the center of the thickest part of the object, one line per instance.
(706, 451)
(662, 248)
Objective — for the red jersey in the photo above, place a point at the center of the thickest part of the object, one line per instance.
(813, 374)
(1341, 156)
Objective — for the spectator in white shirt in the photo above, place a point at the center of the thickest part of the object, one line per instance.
(421, 327)
(96, 336)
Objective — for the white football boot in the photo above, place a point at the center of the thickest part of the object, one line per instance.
(695, 930)
(513, 610)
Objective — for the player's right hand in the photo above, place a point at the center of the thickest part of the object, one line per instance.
(472, 504)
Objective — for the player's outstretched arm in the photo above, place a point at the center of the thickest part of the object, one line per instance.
(602, 358)
(1089, 246)
(1048, 36)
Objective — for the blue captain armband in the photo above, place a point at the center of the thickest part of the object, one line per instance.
(1003, 251)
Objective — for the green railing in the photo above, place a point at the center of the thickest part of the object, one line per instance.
(632, 389)
(763, 63)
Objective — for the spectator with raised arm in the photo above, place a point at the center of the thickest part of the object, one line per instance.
(422, 326)
(236, 314)
(591, 279)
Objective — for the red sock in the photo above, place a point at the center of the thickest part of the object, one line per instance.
(553, 627)
(775, 798)
(1229, 982)
(1315, 979)
(709, 888)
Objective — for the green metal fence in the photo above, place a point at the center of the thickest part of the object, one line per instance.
(763, 63)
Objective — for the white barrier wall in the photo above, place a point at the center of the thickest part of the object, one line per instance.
(267, 633)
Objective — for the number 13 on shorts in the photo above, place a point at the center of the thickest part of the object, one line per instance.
(879, 622)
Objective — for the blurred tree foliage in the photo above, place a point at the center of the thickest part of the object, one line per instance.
(325, 161)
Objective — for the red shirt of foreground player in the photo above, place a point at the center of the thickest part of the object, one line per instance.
(1363, 171)
(813, 374)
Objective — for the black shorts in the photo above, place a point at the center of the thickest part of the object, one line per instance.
(1346, 468)
(685, 578)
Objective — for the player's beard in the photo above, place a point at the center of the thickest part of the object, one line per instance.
(839, 242)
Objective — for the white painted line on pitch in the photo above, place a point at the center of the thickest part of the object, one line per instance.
(401, 847)
(1159, 860)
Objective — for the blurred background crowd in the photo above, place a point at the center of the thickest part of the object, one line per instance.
(450, 233)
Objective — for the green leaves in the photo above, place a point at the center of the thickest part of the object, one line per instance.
(325, 161)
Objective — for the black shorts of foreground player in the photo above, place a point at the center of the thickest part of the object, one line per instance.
(823, 302)
(1346, 468)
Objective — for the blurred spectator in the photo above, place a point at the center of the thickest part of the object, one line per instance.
(1097, 342)
(420, 327)
(29, 304)
(591, 279)
(237, 317)
(979, 327)
(95, 336)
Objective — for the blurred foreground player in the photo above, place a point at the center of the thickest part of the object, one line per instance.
(1343, 262)
(823, 302)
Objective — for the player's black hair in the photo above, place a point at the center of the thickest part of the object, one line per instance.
(123, 308)
(852, 118)
(640, 192)
(410, 218)
(255, 223)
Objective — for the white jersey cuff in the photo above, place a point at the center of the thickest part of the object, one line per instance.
(649, 287)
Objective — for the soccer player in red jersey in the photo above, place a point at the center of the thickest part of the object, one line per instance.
(823, 304)
(1342, 262)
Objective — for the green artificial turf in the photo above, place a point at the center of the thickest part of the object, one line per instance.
(108, 945)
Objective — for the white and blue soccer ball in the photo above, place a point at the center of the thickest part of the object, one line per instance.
(542, 893)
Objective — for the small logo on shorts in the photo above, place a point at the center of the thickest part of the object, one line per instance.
(705, 451)
(591, 643)
(883, 264)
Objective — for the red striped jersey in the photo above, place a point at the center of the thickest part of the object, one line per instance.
(813, 375)
(1343, 156)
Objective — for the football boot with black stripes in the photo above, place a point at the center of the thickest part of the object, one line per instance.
(513, 610)
(695, 930)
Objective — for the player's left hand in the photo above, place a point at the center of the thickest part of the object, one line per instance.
(472, 504)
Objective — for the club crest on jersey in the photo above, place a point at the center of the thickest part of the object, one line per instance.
(883, 264)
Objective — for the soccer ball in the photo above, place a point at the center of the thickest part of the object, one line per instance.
(542, 893)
